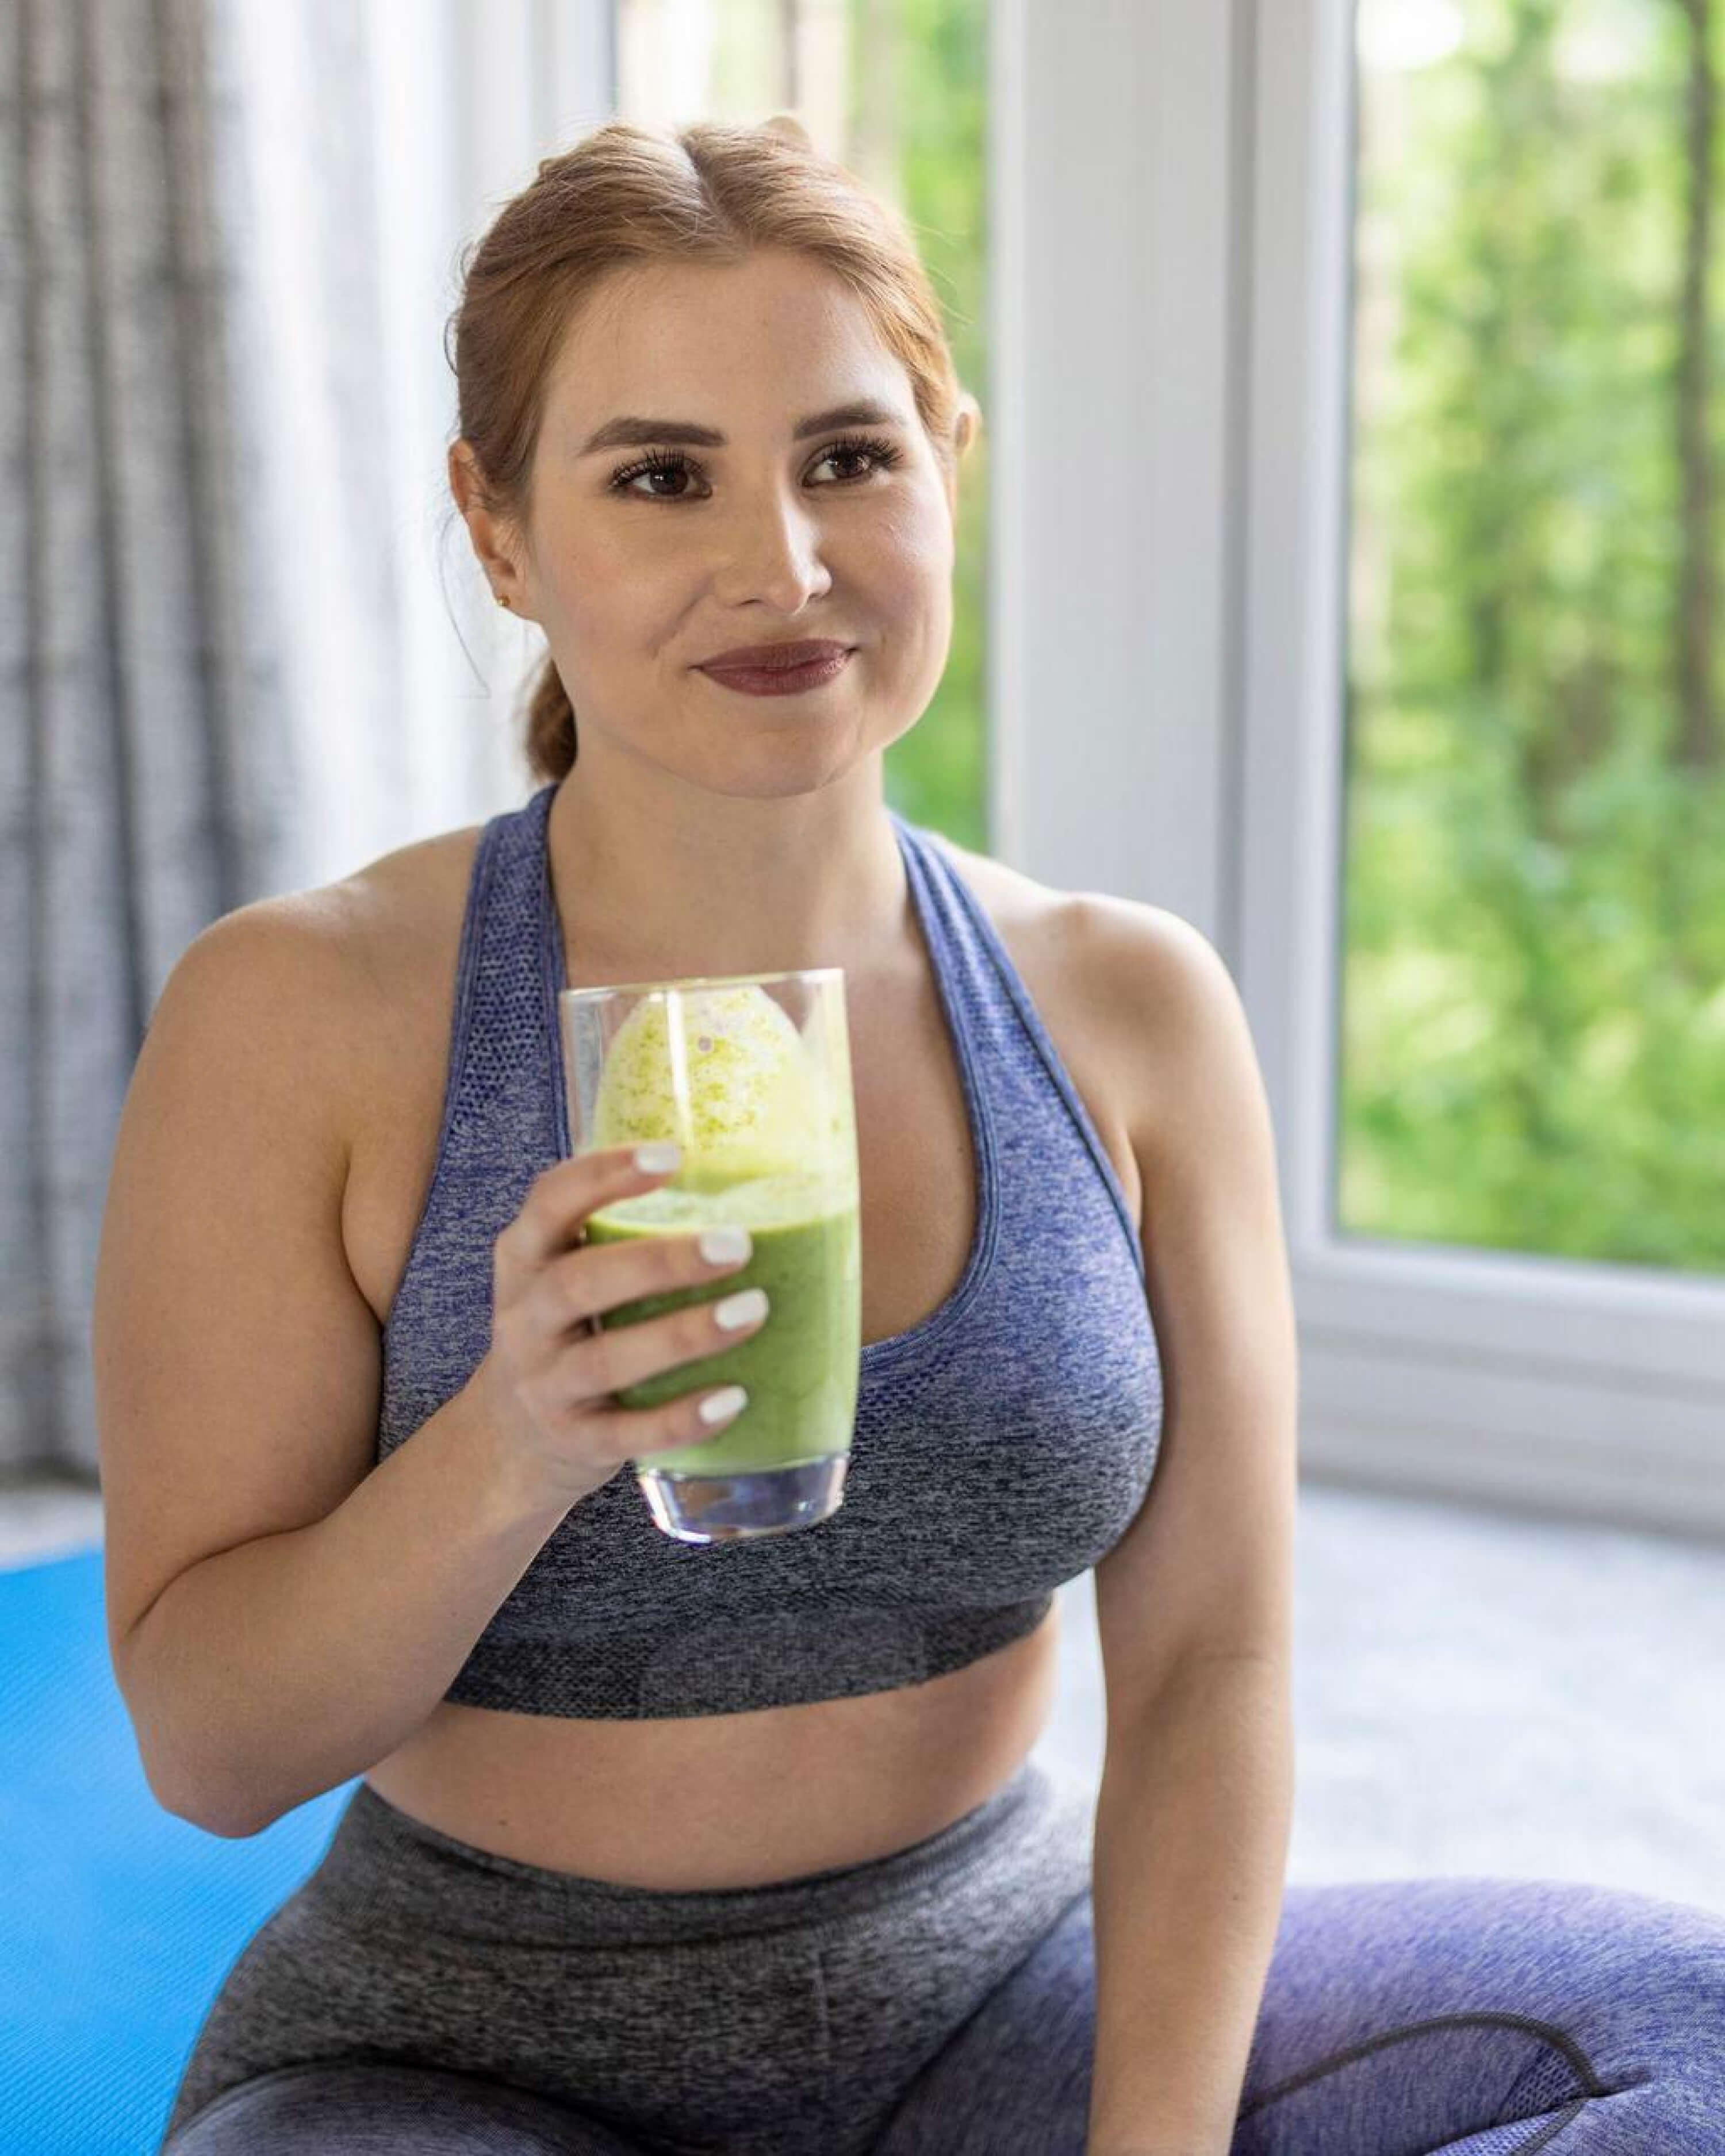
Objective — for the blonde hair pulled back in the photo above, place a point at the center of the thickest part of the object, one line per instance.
(626, 196)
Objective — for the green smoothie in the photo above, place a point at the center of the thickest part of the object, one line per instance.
(802, 1365)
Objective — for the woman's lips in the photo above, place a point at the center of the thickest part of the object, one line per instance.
(779, 680)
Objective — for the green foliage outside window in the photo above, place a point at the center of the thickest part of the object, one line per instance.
(938, 774)
(1533, 1018)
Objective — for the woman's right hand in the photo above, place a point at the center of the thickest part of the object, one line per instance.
(545, 1385)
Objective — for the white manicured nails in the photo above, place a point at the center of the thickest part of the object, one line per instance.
(736, 1310)
(724, 1246)
(718, 1407)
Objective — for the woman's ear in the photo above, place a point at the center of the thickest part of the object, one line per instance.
(968, 425)
(487, 532)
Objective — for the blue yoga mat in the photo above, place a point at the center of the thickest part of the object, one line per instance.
(117, 1921)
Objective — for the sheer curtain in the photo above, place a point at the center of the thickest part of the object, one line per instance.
(237, 659)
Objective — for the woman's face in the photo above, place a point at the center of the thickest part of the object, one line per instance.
(637, 575)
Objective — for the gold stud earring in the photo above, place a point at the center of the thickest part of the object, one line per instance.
(502, 599)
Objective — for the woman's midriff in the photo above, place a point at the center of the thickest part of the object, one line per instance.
(728, 1800)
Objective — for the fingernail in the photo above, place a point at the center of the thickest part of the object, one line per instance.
(722, 1246)
(740, 1310)
(660, 1157)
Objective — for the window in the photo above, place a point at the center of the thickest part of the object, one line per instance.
(1532, 1022)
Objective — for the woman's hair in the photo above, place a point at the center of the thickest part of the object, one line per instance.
(626, 196)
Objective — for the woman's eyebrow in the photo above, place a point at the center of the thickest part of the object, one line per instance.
(630, 432)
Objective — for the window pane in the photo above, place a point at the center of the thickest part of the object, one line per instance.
(1532, 1029)
(894, 90)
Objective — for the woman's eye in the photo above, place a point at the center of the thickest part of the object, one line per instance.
(654, 468)
(672, 464)
(877, 456)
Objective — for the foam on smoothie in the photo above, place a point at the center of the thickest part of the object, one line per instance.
(725, 1072)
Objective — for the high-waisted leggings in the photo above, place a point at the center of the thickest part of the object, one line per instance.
(416, 1995)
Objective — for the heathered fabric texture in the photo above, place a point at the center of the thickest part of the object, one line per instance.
(774, 2019)
(1000, 1447)
(417, 1995)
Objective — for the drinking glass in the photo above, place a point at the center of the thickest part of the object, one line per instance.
(750, 1073)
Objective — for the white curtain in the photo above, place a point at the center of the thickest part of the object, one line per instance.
(235, 658)
(402, 672)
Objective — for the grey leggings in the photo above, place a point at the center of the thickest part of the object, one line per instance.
(418, 1996)
(416, 1993)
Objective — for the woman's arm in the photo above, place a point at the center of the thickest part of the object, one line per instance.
(282, 1613)
(264, 1676)
(1194, 1605)
(1190, 1856)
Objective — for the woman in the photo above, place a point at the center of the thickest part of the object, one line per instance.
(661, 1847)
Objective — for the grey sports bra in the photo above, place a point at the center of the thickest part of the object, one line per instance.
(1001, 1447)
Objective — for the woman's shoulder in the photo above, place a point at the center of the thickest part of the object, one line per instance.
(1062, 942)
(1121, 980)
(1012, 900)
(1112, 931)
(394, 902)
(400, 919)
(350, 968)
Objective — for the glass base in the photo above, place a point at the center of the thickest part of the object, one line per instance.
(727, 1508)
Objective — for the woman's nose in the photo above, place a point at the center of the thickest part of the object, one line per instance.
(771, 548)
